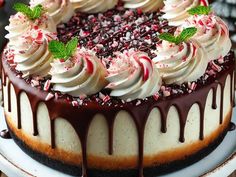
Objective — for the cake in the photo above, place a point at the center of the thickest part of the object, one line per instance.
(117, 88)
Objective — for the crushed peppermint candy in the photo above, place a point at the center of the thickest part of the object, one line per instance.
(47, 85)
(49, 96)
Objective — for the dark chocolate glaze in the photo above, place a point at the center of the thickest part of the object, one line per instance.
(5, 134)
(81, 117)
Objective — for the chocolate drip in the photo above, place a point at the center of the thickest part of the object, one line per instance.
(5, 134)
(52, 126)
(232, 126)
(9, 95)
(18, 106)
(234, 86)
(214, 89)
(81, 118)
(222, 81)
(2, 84)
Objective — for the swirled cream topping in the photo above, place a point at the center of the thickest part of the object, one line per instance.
(59, 10)
(133, 75)
(82, 74)
(19, 24)
(145, 5)
(176, 11)
(212, 33)
(31, 52)
(180, 63)
(93, 6)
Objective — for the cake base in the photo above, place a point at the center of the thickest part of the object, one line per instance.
(148, 172)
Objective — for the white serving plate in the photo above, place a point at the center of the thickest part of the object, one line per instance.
(220, 163)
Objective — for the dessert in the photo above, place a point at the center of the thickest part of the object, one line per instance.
(126, 94)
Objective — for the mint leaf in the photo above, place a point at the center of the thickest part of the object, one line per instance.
(60, 50)
(32, 14)
(20, 7)
(71, 46)
(200, 10)
(37, 12)
(167, 37)
(186, 34)
(57, 49)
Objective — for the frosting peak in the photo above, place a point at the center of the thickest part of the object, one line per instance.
(176, 11)
(145, 5)
(31, 52)
(93, 6)
(133, 75)
(212, 33)
(59, 10)
(181, 63)
(82, 74)
(20, 24)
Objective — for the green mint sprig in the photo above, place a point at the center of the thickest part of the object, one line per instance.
(183, 36)
(63, 51)
(200, 10)
(32, 14)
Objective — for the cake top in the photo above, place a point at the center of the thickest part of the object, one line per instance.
(127, 50)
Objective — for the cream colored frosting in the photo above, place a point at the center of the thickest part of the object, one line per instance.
(176, 11)
(31, 52)
(83, 74)
(19, 24)
(133, 75)
(181, 63)
(145, 5)
(93, 6)
(59, 10)
(212, 34)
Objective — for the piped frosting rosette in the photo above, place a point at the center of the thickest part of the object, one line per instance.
(31, 52)
(176, 11)
(59, 10)
(93, 6)
(212, 34)
(19, 24)
(132, 75)
(145, 5)
(81, 75)
(181, 63)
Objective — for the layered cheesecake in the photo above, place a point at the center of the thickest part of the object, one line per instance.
(96, 88)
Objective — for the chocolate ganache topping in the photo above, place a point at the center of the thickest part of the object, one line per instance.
(119, 30)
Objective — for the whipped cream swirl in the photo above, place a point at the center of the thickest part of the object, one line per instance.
(59, 10)
(31, 52)
(81, 75)
(93, 6)
(145, 5)
(181, 63)
(176, 11)
(212, 34)
(19, 24)
(133, 75)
